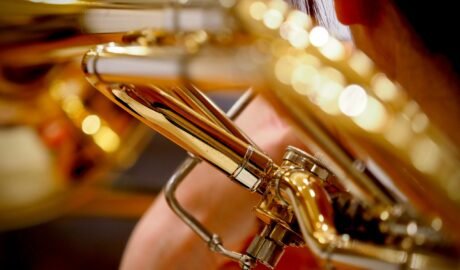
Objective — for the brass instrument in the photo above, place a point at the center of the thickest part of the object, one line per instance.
(59, 138)
(377, 162)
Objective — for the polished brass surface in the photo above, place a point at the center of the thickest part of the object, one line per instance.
(268, 247)
(380, 133)
(192, 131)
(36, 32)
(158, 84)
(212, 239)
(377, 161)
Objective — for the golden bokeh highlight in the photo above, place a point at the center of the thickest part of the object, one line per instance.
(300, 19)
(284, 67)
(73, 106)
(420, 122)
(91, 124)
(353, 100)
(299, 39)
(257, 10)
(374, 116)
(328, 96)
(333, 50)
(425, 155)
(278, 5)
(399, 132)
(332, 74)
(360, 63)
(107, 139)
(384, 88)
(273, 18)
(305, 78)
(319, 36)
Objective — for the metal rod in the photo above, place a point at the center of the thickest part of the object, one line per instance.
(213, 240)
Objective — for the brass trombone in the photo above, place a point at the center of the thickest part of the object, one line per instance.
(357, 122)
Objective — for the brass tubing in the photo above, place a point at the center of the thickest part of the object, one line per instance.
(313, 211)
(213, 240)
(165, 66)
(35, 33)
(360, 184)
(210, 68)
(338, 160)
(208, 108)
(196, 134)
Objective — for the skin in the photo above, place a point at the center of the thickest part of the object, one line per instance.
(162, 241)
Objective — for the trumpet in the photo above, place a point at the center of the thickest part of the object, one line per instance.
(375, 154)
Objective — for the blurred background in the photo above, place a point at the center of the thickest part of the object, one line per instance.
(75, 179)
(76, 172)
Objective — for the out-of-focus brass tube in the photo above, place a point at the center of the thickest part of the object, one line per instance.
(43, 32)
(211, 68)
(386, 142)
(313, 132)
(167, 64)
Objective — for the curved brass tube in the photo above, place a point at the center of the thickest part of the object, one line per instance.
(204, 134)
(169, 111)
(211, 67)
(158, 84)
(313, 211)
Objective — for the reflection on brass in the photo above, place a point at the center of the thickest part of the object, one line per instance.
(58, 135)
(378, 162)
(212, 240)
